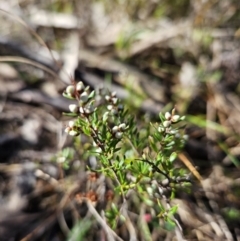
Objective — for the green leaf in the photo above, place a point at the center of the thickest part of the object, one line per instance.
(67, 96)
(173, 210)
(70, 114)
(157, 136)
(114, 208)
(173, 157)
(172, 143)
(148, 202)
(87, 88)
(117, 149)
(81, 122)
(91, 95)
(79, 230)
(162, 117)
(86, 130)
(104, 160)
(170, 225)
(104, 132)
(122, 218)
(65, 166)
(105, 117)
(109, 214)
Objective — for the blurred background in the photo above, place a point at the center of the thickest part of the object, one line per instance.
(156, 54)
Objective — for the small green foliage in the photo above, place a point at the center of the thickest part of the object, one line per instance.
(231, 214)
(79, 230)
(169, 224)
(65, 157)
(112, 215)
(139, 160)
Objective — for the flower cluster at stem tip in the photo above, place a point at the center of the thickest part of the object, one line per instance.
(85, 107)
(168, 121)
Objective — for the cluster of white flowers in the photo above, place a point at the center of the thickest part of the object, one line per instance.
(118, 130)
(170, 118)
(85, 104)
(80, 93)
(73, 91)
(72, 129)
(85, 107)
(113, 104)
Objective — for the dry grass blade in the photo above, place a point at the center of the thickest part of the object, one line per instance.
(111, 234)
(190, 166)
(32, 31)
(27, 61)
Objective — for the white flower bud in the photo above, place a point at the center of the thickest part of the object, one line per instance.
(80, 86)
(115, 129)
(173, 132)
(67, 129)
(73, 108)
(84, 97)
(161, 129)
(109, 107)
(61, 159)
(81, 110)
(166, 123)
(107, 97)
(168, 115)
(118, 135)
(98, 150)
(122, 126)
(114, 100)
(175, 118)
(113, 94)
(71, 124)
(73, 133)
(70, 90)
